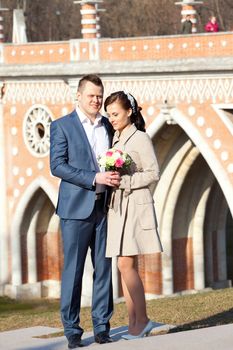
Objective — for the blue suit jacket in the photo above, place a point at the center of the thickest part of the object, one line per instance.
(71, 159)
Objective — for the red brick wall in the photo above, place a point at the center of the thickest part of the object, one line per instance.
(49, 256)
(143, 48)
(183, 272)
(149, 268)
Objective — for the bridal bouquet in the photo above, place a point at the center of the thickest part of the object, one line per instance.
(114, 160)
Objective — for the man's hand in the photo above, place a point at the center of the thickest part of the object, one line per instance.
(109, 178)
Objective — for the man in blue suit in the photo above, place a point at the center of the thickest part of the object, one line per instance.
(76, 141)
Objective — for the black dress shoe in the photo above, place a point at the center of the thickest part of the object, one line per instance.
(74, 341)
(103, 338)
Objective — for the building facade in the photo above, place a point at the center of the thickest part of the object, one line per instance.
(184, 85)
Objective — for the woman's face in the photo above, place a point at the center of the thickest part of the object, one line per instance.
(118, 116)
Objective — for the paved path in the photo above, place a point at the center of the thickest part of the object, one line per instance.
(213, 338)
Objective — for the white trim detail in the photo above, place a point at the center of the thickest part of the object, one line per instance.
(88, 31)
(34, 92)
(88, 21)
(88, 12)
(175, 89)
(94, 49)
(74, 50)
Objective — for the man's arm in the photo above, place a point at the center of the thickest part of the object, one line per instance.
(61, 168)
(59, 161)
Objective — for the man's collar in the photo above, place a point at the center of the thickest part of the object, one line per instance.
(84, 119)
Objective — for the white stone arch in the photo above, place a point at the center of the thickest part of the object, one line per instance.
(216, 222)
(198, 244)
(209, 155)
(221, 176)
(189, 218)
(51, 192)
(167, 218)
(31, 241)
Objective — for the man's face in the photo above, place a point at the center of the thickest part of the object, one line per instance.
(90, 99)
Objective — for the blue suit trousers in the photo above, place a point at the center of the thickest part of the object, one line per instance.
(78, 236)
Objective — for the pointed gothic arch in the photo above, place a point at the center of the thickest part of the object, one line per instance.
(36, 244)
(182, 199)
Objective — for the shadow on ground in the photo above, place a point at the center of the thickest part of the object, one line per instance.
(56, 343)
(221, 318)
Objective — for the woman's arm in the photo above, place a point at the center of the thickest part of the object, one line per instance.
(150, 169)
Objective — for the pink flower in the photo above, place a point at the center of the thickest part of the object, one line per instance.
(114, 159)
(109, 154)
(119, 162)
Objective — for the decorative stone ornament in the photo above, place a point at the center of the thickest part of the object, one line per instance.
(36, 131)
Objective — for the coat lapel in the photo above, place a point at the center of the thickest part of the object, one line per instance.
(125, 135)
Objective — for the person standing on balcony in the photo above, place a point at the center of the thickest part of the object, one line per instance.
(187, 25)
(212, 26)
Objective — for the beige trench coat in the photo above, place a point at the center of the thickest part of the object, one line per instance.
(132, 225)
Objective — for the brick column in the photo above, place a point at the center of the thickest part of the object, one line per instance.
(89, 21)
(188, 8)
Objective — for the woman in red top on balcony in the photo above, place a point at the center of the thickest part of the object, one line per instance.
(212, 25)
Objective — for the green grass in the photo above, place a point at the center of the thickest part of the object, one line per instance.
(186, 312)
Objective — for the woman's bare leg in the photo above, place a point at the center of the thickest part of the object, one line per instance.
(134, 294)
(130, 307)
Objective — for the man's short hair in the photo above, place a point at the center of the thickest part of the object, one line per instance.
(93, 78)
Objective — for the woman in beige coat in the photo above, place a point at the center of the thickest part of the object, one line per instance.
(132, 226)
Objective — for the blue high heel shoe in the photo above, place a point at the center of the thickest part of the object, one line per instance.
(144, 333)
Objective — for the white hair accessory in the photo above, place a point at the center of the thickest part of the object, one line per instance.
(131, 100)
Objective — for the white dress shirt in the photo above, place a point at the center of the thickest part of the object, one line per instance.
(98, 138)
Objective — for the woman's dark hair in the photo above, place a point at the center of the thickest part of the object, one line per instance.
(127, 101)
